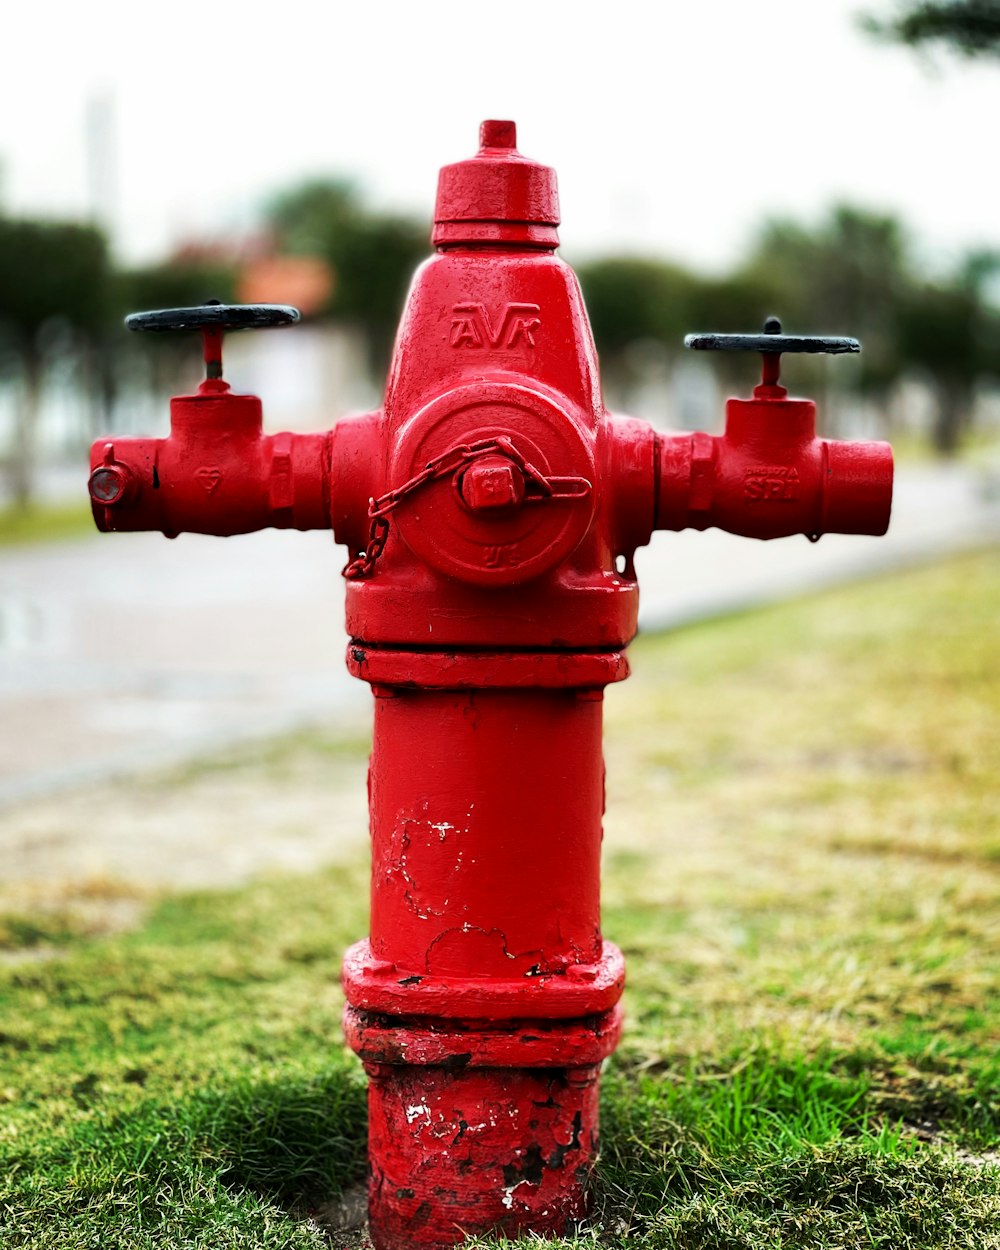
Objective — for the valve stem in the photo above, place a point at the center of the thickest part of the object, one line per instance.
(211, 340)
(770, 373)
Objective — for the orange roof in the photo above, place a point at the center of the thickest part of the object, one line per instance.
(305, 281)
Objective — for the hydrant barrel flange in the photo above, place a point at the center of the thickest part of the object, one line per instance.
(380, 987)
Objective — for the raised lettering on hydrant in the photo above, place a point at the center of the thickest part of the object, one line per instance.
(489, 508)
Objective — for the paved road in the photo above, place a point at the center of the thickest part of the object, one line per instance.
(121, 652)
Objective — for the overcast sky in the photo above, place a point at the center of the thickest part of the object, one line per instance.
(674, 127)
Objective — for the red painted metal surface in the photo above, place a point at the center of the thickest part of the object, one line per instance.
(769, 476)
(491, 509)
(456, 815)
(453, 1150)
(216, 473)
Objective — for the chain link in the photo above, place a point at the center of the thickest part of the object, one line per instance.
(363, 565)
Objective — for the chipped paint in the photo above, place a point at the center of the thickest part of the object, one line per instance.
(476, 1148)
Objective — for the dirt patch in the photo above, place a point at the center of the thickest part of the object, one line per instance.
(100, 853)
(345, 1221)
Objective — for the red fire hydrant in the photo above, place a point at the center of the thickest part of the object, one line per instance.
(492, 508)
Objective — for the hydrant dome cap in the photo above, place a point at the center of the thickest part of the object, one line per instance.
(498, 186)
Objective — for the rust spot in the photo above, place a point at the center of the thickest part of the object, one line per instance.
(405, 1193)
(458, 1061)
(414, 980)
(358, 655)
(530, 1169)
(557, 1157)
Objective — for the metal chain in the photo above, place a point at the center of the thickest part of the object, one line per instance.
(363, 565)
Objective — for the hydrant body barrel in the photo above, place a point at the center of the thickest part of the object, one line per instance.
(486, 998)
(480, 799)
(492, 509)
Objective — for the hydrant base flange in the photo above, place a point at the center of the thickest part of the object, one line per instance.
(456, 1150)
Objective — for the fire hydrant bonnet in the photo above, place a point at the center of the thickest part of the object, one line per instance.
(499, 196)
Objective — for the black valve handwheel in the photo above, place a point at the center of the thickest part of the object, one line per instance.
(772, 341)
(772, 345)
(215, 316)
(833, 346)
(212, 319)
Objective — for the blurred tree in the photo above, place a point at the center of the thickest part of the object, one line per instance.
(634, 300)
(971, 27)
(950, 332)
(176, 283)
(181, 282)
(307, 218)
(55, 288)
(737, 303)
(844, 276)
(372, 256)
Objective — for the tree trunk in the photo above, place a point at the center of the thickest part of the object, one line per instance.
(101, 383)
(21, 468)
(954, 407)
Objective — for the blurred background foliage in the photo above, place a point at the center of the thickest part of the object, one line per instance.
(319, 245)
(971, 27)
(371, 256)
(853, 271)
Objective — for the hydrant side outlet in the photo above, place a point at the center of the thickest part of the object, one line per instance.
(491, 510)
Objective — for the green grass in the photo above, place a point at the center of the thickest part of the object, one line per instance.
(803, 867)
(45, 522)
(183, 1085)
